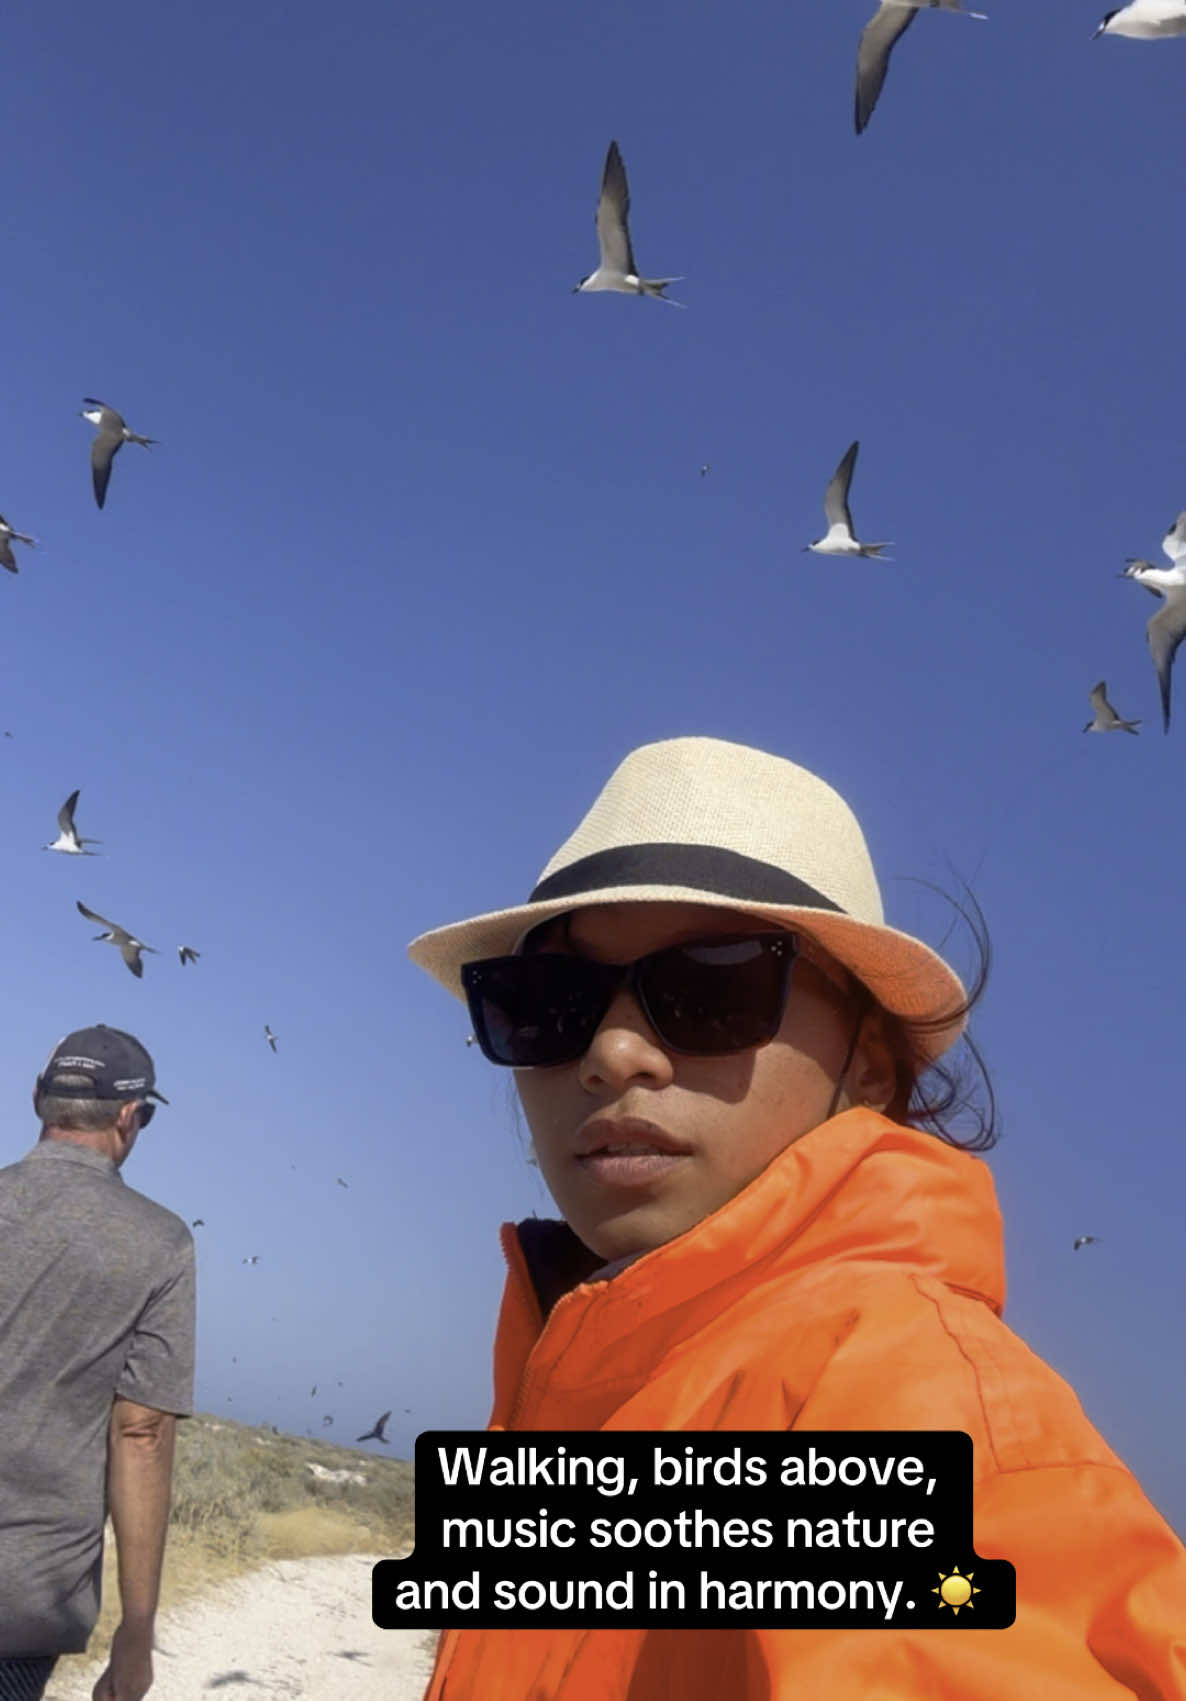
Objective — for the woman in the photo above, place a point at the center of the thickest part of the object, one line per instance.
(718, 1044)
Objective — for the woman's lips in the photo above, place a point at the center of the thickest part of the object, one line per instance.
(619, 1168)
(628, 1151)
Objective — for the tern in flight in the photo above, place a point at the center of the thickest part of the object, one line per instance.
(616, 269)
(1106, 718)
(129, 946)
(68, 839)
(269, 1036)
(111, 435)
(1168, 626)
(840, 539)
(1086, 1240)
(187, 954)
(1145, 20)
(878, 39)
(7, 538)
(376, 1434)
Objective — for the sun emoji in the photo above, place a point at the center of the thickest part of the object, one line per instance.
(955, 1590)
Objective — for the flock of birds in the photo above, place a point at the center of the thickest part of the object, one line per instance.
(70, 842)
(617, 271)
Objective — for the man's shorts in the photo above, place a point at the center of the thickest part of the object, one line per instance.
(25, 1679)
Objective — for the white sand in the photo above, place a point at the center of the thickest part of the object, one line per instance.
(296, 1627)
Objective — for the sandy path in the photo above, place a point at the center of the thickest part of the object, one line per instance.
(296, 1627)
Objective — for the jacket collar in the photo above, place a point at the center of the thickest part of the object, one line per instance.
(858, 1189)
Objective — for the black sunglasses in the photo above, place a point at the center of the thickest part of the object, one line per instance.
(705, 998)
(147, 1112)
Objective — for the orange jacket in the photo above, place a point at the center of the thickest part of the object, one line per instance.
(857, 1283)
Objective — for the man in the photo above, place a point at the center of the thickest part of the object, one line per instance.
(96, 1365)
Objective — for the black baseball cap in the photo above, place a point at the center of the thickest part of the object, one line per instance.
(116, 1063)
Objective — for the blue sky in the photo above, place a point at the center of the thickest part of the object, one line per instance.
(424, 550)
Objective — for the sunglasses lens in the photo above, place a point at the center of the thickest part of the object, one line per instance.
(147, 1112)
(530, 1012)
(705, 999)
(719, 995)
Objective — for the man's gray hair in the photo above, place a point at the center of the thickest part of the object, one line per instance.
(79, 1116)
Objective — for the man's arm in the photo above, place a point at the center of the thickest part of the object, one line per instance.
(139, 1478)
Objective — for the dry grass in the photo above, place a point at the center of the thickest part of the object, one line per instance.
(242, 1496)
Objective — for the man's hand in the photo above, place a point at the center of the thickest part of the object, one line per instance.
(128, 1676)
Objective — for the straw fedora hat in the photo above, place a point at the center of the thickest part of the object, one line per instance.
(698, 820)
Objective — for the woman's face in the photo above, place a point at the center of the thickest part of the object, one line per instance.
(729, 1116)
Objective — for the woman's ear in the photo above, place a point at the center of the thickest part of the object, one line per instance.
(872, 1078)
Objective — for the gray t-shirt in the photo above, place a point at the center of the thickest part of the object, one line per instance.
(96, 1299)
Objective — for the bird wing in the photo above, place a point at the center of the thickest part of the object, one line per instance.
(381, 1423)
(1099, 699)
(111, 420)
(878, 39)
(129, 950)
(1174, 541)
(1166, 631)
(7, 558)
(66, 815)
(613, 210)
(1136, 561)
(836, 496)
(111, 926)
(103, 452)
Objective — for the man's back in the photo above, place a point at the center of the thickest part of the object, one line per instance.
(96, 1301)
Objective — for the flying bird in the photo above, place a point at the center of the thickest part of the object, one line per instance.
(269, 1036)
(68, 839)
(878, 39)
(313, 1390)
(1106, 718)
(840, 539)
(7, 538)
(1168, 626)
(254, 1259)
(129, 946)
(705, 469)
(376, 1434)
(1145, 20)
(342, 1183)
(326, 1421)
(187, 954)
(616, 269)
(110, 436)
(1085, 1240)
(198, 1222)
